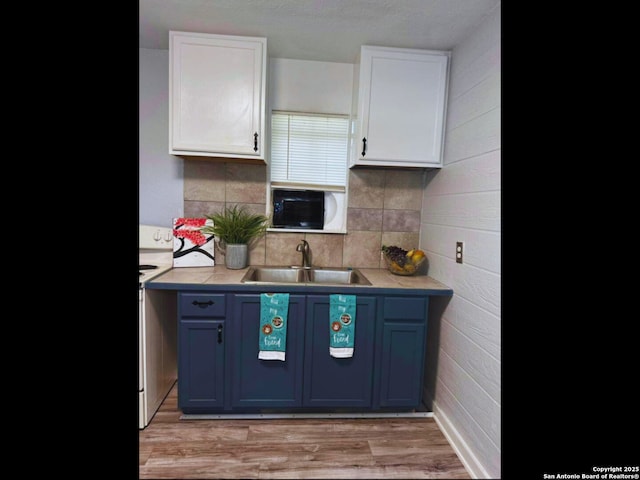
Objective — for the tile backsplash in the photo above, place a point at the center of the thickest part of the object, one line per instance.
(384, 209)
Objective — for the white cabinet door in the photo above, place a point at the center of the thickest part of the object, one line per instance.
(217, 95)
(402, 98)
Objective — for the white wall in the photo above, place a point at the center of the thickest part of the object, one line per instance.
(161, 174)
(461, 202)
(306, 86)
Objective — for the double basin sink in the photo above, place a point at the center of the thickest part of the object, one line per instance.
(318, 275)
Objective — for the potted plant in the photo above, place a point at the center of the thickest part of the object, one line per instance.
(236, 228)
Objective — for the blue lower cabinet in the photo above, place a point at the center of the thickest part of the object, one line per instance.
(401, 369)
(402, 351)
(219, 370)
(201, 377)
(259, 383)
(338, 382)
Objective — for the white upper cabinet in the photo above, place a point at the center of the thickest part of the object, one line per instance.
(402, 96)
(217, 87)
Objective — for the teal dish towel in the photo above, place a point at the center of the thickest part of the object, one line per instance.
(274, 308)
(342, 325)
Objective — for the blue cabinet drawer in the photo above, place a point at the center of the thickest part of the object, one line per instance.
(405, 308)
(202, 305)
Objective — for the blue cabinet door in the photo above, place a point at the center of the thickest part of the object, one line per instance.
(338, 382)
(201, 346)
(259, 383)
(401, 369)
(403, 340)
(403, 351)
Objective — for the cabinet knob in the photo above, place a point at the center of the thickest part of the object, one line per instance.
(255, 142)
(364, 146)
(219, 333)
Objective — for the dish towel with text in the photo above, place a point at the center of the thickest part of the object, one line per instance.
(274, 308)
(342, 325)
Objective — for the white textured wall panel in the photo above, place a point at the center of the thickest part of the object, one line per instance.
(483, 97)
(481, 248)
(462, 202)
(471, 210)
(484, 410)
(476, 174)
(480, 326)
(473, 284)
(479, 42)
(475, 72)
(483, 368)
(481, 446)
(478, 136)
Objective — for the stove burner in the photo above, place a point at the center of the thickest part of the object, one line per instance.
(148, 272)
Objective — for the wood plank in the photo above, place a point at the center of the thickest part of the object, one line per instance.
(144, 452)
(352, 430)
(412, 447)
(204, 471)
(177, 433)
(324, 454)
(294, 448)
(436, 459)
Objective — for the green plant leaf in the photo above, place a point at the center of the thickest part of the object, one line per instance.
(236, 225)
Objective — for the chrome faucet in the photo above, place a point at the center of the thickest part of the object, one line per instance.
(303, 247)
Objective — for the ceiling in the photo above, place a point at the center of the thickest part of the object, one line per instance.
(321, 30)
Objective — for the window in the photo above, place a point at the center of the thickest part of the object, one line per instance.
(309, 149)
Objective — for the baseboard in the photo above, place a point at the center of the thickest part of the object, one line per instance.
(467, 457)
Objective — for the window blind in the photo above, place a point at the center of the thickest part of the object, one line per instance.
(310, 149)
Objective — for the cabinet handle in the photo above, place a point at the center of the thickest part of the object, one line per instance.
(364, 146)
(203, 304)
(219, 333)
(255, 142)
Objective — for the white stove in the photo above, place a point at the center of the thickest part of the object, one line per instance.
(155, 251)
(151, 270)
(157, 322)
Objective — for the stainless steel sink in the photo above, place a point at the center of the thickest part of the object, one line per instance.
(317, 275)
(274, 275)
(343, 276)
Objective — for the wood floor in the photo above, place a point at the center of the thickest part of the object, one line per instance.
(294, 448)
